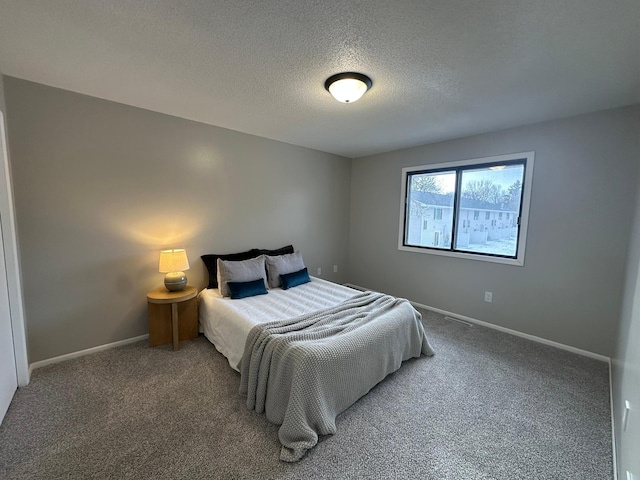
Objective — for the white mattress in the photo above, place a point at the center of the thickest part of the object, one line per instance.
(226, 322)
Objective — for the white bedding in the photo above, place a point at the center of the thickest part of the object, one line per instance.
(226, 322)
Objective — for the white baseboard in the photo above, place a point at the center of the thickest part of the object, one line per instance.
(533, 338)
(81, 353)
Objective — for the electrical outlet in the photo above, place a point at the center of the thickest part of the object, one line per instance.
(319, 271)
(335, 269)
(630, 476)
(488, 297)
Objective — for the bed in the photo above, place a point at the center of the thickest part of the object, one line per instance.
(309, 351)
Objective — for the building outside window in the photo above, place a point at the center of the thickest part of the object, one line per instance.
(454, 195)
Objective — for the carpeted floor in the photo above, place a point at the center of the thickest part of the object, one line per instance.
(487, 406)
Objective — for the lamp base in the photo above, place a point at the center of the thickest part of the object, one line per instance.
(175, 281)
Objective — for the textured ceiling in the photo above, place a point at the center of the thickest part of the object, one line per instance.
(441, 69)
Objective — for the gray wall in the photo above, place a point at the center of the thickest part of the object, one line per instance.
(570, 289)
(626, 362)
(101, 188)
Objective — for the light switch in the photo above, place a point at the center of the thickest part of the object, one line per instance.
(625, 415)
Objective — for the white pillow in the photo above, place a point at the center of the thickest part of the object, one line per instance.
(242, 271)
(281, 265)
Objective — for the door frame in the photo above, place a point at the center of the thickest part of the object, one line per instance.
(12, 262)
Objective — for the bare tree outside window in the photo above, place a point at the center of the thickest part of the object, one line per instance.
(471, 208)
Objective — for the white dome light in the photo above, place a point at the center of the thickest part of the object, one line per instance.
(348, 87)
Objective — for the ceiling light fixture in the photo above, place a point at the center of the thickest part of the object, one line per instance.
(347, 87)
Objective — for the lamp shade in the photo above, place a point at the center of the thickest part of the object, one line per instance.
(174, 260)
(348, 87)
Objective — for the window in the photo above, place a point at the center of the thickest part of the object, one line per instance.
(449, 192)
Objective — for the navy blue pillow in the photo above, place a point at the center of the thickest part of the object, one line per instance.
(247, 289)
(294, 279)
(276, 252)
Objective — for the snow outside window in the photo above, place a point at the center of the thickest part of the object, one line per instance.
(473, 208)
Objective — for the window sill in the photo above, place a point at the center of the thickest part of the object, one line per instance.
(518, 262)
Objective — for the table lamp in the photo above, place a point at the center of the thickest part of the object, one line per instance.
(173, 262)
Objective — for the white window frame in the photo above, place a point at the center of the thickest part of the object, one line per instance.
(524, 216)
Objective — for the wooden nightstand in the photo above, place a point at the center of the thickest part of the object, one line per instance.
(165, 308)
